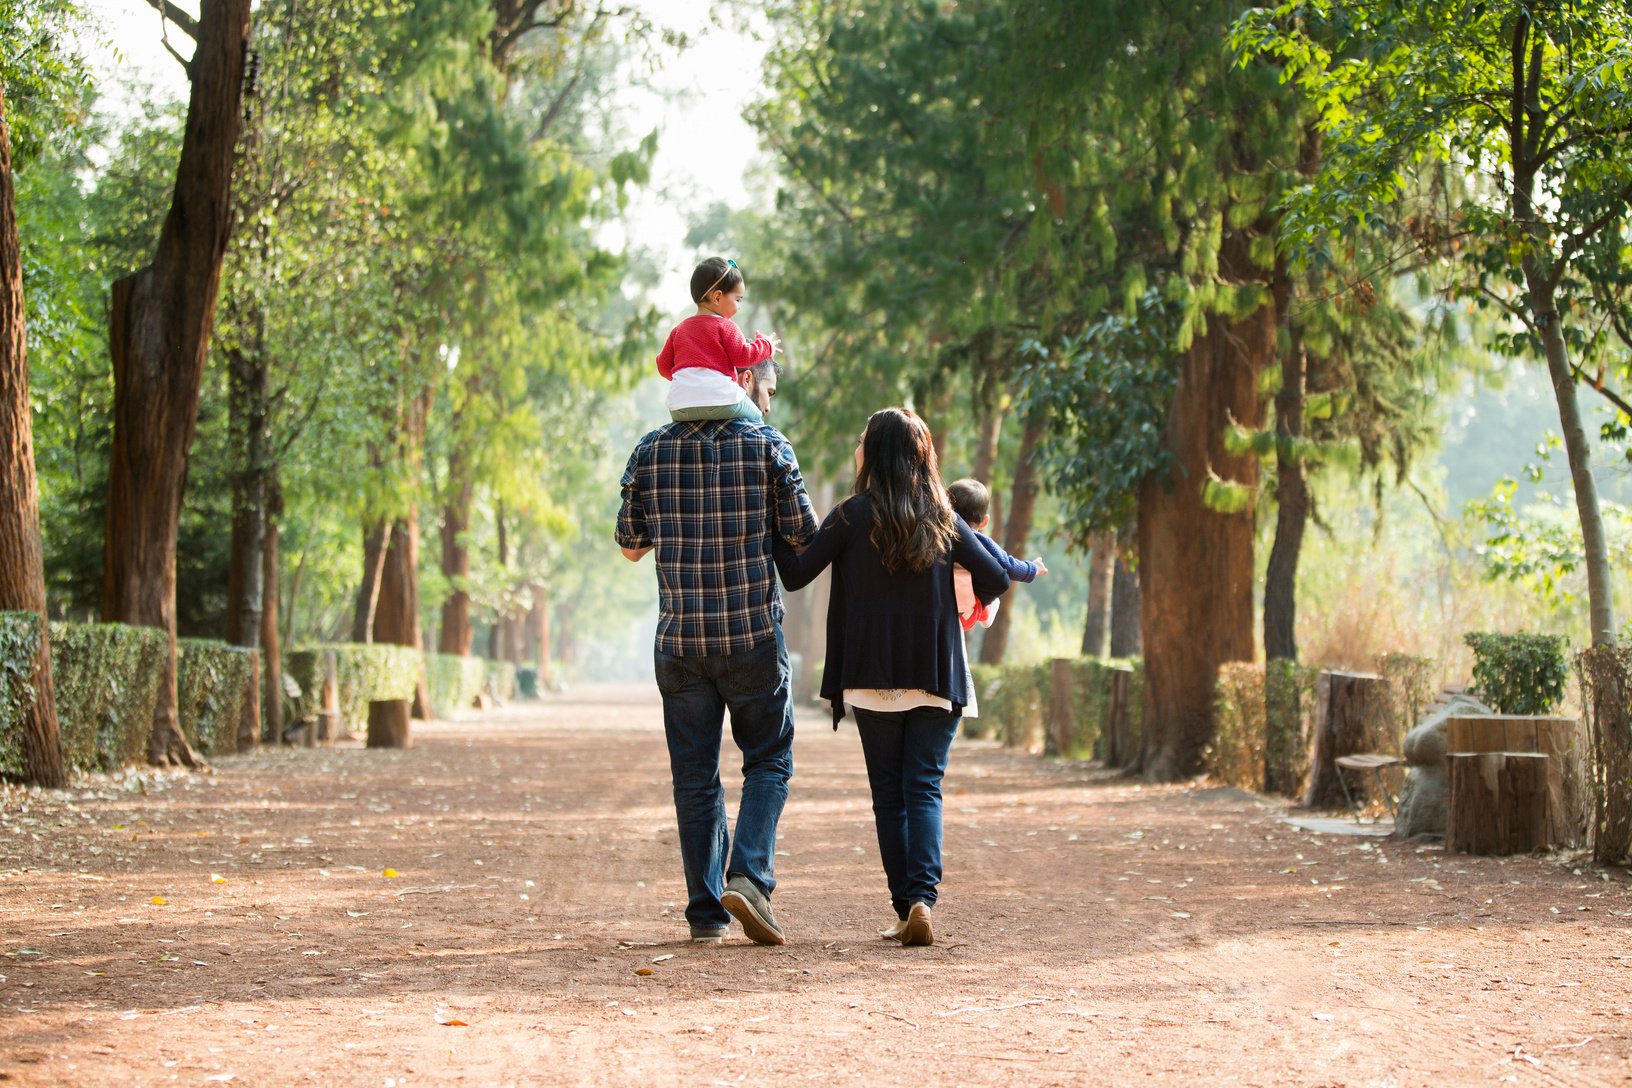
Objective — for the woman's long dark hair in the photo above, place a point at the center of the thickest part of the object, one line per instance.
(912, 521)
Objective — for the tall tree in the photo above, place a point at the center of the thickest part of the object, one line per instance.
(159, 331)
(22, 570)
(1530, 100)
(1160, 171)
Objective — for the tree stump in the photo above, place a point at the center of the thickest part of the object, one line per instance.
(1561, 740)
(1062, 711)
(1499, 803)
(388, 723)
(1353, 713)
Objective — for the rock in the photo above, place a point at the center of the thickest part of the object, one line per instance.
(1423, 797)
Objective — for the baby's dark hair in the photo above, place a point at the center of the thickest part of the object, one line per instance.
(716, 273)
(970, 499)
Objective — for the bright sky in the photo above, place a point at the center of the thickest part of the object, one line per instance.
(695, 102)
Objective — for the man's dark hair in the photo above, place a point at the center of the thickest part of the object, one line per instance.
(716, 273)
(970, 500)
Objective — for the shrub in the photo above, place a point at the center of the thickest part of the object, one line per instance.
(1519, 673)
(19, 642)
(454, 681)
(1411, 685)
(213, 680)
(364, 673)
(1236, 755)
(106, 678)
(1289, 700)
(1606, 682)
(501, 679)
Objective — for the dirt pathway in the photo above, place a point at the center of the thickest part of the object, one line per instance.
(245, 928)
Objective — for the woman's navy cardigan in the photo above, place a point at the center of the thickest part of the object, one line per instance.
(889, 630)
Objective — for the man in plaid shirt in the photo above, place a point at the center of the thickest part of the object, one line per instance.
(706, 495)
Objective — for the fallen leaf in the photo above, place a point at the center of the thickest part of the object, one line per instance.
(665, 956)
(643, 971)
(389, 874)
(217, 878)
(159, 901)
(1322, 1015)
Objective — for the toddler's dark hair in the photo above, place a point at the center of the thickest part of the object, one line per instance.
(970, 499)
(716, 273)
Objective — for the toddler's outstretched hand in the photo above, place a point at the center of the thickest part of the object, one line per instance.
(776, 341)
(1042, 568)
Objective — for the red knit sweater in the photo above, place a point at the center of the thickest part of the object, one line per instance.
(712, 341)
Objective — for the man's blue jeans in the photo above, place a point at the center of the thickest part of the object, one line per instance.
(697, 692)
(906, 759)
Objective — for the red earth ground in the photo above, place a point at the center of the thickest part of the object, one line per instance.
(501, 905)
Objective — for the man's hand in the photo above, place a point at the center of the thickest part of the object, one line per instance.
(1042, 568)
(634, 555)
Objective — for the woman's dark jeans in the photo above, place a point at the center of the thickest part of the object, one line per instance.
(906, 758)
(697, 692)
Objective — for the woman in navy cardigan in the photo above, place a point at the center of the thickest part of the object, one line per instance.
(895, 656)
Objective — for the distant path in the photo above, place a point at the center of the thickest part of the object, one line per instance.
(1091, 932)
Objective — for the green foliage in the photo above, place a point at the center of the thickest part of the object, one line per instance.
(19, 645)
(1540, 547)
(364, 673)
(1108, 391)
(46, 81)
(106, 678)
(1519, 673)
(213, 679)
(454, 681)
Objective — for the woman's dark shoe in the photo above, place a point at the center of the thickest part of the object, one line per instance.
(916, 931)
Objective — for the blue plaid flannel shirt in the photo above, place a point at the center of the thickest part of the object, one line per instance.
(706, 495)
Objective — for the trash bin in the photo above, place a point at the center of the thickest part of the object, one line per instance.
(527, 682)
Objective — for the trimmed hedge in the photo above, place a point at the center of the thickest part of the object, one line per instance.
(212, 681)
(1014, 705)
(454, 681)
(1263, 735)
(364, 672)
(501, 679)
(19, 642)
(106, 678)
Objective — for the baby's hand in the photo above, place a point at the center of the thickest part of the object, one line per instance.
(776, 341)
(1042, 568)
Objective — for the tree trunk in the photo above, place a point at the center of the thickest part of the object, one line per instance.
(159, 330)
(1196, 564)
(1096, 628)
(397, 620)
(1594, 543)
(1126, 638)
(1291, 507)
(538, 634)
(456, 635)
(22, 569)
(248, 412)
(1024, 502)
(271, 647)
(375, 539)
